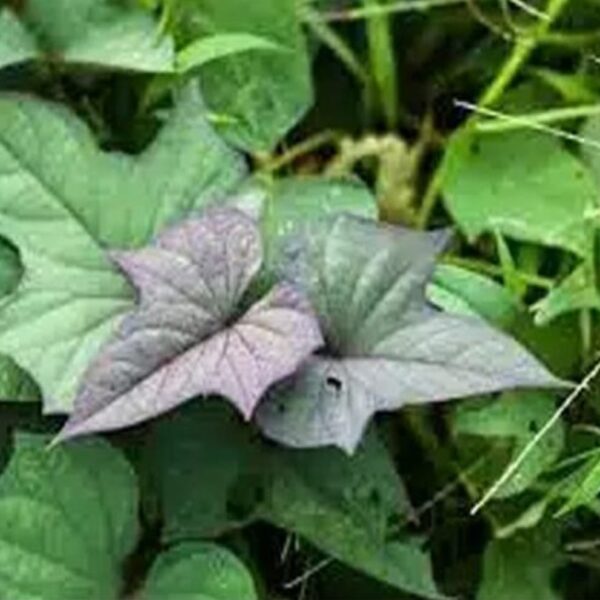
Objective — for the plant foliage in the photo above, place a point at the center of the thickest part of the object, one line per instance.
(287, 287)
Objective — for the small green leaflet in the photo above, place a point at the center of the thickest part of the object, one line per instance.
(68, 517)
(583, 486)
(198, 571)
(214, 47)
(63, 201)
(85, 32)
(385, 347)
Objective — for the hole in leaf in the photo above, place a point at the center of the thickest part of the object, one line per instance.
(334, 384)
(533, 427)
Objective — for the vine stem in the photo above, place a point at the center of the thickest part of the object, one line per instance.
(512, 468)
(521, 51)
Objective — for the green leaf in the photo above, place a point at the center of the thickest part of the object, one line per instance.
(584, 486)
(295, 204)
(577, 291)
(523, 184)
(86, 32)
(198, 459)
(385, 347)
(591, 131)
(521, 567)
(516, 417)
(262, 94)
(198, 571)
(344, 506)
(221, 45)
(63, 202)
(16, 45)
(68, 517)
(464, 292)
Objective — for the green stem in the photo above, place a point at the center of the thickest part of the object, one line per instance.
(323, 138)
(383, 64)
(520, 53)
(486, 268)
(330, 38)
(509, 122)
(400, 6)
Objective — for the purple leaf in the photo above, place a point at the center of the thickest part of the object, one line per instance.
(387, 347)
(184, 340)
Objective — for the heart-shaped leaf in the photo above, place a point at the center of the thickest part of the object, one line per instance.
(89, 32)
(261, 94)
(386, 347)
(199, 571)
(347, 507)
(184, 339)
(62, 201)
(68, 517)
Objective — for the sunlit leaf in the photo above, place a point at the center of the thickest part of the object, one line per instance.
(85, 32)
(62, 201)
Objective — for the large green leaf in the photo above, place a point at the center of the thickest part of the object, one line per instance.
(345, 506)
(90, 32)
(521, 567)
(210, 474)
(198, 571)
(68, 517)
(522, 184)
(16, 45)
(262, 94)
(62, 201)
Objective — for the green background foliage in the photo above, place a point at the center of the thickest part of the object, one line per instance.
(121, 117)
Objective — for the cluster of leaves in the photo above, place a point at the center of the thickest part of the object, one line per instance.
(197, 274)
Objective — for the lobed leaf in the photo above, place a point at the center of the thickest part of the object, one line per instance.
(386, 347)
(62, 201)
(184, 339)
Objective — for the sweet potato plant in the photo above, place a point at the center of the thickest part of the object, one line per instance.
(298, 299)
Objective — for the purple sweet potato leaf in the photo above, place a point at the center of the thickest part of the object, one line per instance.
(183, 340)
(387, 347)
